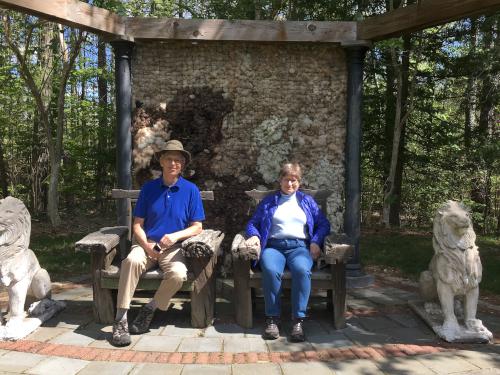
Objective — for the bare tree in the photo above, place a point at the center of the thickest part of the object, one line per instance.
(63, 59)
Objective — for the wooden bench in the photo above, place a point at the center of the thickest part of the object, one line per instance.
(327, 274)
(104, 245)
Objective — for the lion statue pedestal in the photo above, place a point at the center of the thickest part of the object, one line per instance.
(21, 274)
(454, 271)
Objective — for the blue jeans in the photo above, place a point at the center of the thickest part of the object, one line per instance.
(295, 255)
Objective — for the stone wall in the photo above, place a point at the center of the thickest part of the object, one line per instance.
(242, 109)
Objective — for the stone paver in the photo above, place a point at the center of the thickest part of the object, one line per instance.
(357, 366)
(301, 368)
(19, 362)
(363, 337)
(411, 336)
(446, 363)
(171, 330)
(357, 303)
(483, 360)
(244, 344)
(58, 365)
(282, 344)
(328, 340)
(256, 368)
(157, 343)
(403, 366)
(46, 333)
(106, 368)
(156, 369)
(378, 323)
(201, 344)
(406, 320)
(79, 338)
(224, 330)
(206, 370)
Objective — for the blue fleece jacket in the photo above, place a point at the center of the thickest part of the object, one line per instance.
(260, 224)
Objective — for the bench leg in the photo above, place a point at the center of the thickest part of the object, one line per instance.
(242, 293)
(339, 297)
(104, 301)
(203, 294)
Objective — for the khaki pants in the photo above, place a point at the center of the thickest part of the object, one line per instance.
(171, 262)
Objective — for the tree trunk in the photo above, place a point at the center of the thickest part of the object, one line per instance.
(4, 183)
(392, 187)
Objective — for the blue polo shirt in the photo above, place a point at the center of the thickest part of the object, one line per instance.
(168, 209)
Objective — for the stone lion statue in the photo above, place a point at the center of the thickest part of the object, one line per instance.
(455, 270)
(20, 271)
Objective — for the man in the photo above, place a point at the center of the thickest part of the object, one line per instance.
(169, 210)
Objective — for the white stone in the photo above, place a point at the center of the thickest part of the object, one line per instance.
(455, 270)
(21, 273)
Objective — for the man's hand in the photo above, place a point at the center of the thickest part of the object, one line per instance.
(168, 240)
(315, 250)
(150, 252)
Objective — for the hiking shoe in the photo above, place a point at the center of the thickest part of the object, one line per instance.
(297, 334)
(142, 320)
(271, 330)
(120, 337)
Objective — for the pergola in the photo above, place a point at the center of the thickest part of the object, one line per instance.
(355, 37)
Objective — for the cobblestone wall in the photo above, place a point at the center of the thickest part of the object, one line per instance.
(243, 109)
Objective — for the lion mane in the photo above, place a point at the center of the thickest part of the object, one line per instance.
(456, 259)
(15, 229)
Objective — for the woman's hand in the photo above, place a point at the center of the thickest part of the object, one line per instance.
(315, 250)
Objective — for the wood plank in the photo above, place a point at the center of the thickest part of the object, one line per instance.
(144, 284)
(423, 14)
(241, 30)
(72, 13)
(105, 239)
(134, 194)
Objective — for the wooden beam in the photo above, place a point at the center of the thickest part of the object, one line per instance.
(253, 31)
(423, 14)
(72, 13)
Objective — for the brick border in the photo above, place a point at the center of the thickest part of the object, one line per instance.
(375, 353)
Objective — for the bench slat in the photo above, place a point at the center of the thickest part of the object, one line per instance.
(134, 194)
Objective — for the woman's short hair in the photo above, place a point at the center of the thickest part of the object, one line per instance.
(291, 168)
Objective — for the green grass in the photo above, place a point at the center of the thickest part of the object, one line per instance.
(411, 253)
(56, 253)
(408, 253)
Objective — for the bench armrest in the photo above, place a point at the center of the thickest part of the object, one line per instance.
(337, 249)
(104, 240)
(240, 249)
(205, 244)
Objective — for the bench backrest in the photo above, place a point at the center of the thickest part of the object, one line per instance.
(320, 196)
(132, 195)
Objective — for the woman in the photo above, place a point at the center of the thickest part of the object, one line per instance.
(291, 228)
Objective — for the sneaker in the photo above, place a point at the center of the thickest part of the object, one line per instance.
(142, 320)
(297, 334)
(120, 337)
(271, 330)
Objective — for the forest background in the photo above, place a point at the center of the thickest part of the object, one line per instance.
(430, 114)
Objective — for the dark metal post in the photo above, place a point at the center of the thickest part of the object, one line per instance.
(352, 219)
(123, 53)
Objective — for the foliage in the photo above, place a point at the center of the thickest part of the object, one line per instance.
(451, 146)
(411, 254)
(56, 253)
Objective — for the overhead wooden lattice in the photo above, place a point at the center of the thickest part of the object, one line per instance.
(418, 16)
